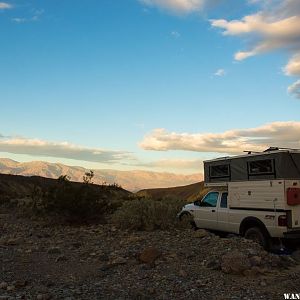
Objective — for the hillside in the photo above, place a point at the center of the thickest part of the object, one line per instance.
(129, 180)
(188, 192)
(20, 187)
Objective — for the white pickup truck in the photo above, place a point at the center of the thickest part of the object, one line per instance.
(254, 195)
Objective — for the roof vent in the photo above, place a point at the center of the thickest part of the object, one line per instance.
(272, 149)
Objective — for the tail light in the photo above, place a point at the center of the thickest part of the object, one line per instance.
(293, 196)
(282, 221)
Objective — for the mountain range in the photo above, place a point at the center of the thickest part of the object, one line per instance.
(129, 180)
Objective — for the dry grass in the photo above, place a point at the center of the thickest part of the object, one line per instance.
(143, 213)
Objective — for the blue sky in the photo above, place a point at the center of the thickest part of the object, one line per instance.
(154, 84)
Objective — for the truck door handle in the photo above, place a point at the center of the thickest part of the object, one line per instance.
(213, 210)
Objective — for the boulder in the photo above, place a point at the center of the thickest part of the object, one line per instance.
(235, 262)
(149, 255)
(200, 233)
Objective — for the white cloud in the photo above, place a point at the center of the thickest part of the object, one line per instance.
(293, 66)
(281, 134)
(276, 26)
(4, 5)
(294, 89)
(36, 147)
(175, 34)
(178, 6)
(182, 164)
(220, 72)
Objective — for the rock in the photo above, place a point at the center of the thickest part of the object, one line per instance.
(10, 288)
(183, 273)
(235, 262)
(254, 271)
(20, 283)
(255, 260)
(296, 256)
(43, 297)
(263, 283)
(213, 264)
(76, 245)
(149, 255)
(118, 261)
(61, 258)
(200, 233)
(54, 250)
(3, 285)
(13, 242)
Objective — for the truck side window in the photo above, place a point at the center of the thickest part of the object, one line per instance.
(210, 200)
(223, 203)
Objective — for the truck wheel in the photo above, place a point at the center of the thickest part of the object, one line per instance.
(188, 218)
(257, 235)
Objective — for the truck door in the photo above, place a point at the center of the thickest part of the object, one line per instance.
(206, 214)
(223, 212)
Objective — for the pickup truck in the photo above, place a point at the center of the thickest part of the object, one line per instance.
(254, 195)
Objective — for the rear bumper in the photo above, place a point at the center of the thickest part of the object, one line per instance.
(294, 234)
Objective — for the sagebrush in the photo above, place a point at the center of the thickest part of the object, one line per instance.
(143, 213)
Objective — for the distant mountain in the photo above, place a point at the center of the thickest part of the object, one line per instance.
(129, 180)
(189, 192)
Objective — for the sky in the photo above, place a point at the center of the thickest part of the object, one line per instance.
(156, 85)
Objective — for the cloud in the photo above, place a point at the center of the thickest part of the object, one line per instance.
(35, 17)
(294, 89)
(220, 73)
(177, 6)
(280, 134)
(293, 66)
(175, 34)
(4, 5)
(182, 164)
(275, 26)
(36, 147)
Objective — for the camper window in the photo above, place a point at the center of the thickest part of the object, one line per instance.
(219, 171)
(260, 167)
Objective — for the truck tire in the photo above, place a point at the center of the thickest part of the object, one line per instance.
(185, 217)
(259, 236)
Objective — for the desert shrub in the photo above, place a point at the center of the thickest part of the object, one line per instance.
(142, 213)
(75, 202)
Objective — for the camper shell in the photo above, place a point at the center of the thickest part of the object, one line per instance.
(268, 165)
(256, 195)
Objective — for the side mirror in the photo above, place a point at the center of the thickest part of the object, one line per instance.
(197, 202)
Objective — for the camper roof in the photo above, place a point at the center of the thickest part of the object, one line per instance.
(273, 163)
(255, 153)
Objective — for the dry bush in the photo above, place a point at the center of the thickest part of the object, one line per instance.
(143, 213)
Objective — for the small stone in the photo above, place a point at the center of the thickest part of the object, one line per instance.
(263, 283)
(20, 283)
(183, 273)
(43, 297)
(149, 255)
(76, 245)
(61, 258)
(3, 285)
(255, 260)
(119, 261)
(12, 242)
(54, 250)
(296, 256)
(10, 288)
(200, 233)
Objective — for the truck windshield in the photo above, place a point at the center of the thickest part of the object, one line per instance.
(210, 200)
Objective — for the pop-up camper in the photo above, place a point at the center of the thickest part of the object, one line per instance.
(256, 195)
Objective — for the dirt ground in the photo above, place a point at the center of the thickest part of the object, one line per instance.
(39, 260)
